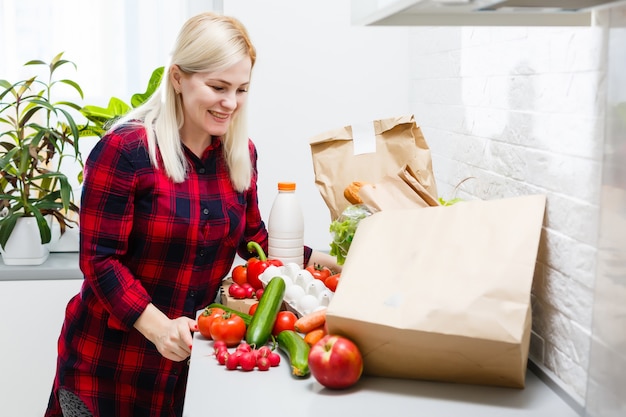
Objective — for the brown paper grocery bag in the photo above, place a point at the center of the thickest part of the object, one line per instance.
(442, 293)
(367, 152)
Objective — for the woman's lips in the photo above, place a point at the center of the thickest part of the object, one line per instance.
(219, 115)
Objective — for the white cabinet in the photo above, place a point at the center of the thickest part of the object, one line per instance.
(31, 315)
(476, 12)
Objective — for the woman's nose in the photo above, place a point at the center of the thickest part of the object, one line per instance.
(230, 101)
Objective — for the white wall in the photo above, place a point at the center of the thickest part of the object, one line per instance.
(522, 111)
(607, 379)
(115, 44)
(315, 72)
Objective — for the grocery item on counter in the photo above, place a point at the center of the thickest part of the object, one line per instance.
(297, 350)
(286, 226)
(257, 265)
(260, 328)
(351, 192)
(343, 229)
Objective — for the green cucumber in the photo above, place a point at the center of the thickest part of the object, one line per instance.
(297, 350)
(247, 318)
(260, 328)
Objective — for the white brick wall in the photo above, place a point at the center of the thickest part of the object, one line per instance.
(607, 379)
(522, 111)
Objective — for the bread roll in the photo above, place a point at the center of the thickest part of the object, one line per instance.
(351, 192)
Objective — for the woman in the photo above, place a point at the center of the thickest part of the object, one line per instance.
(169, 198)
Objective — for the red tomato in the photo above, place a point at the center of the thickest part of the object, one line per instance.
(319, 271)
(285, 320)
(229, 328)
(240, 274)
(206, 318)
(253, 308)
(275, 262)
(332, 281)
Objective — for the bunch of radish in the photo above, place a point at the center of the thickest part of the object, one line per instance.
(245, 357)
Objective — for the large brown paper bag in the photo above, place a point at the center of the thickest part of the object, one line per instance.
(442, 293)
(367, 153)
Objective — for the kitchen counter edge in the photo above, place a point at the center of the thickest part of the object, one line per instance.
(58, 266)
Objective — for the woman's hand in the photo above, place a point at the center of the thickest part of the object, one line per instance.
(322, 258)
(172, 338)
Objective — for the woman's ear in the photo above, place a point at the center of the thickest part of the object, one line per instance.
(175, 77)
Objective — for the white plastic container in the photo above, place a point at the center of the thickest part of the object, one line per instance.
(286, 226)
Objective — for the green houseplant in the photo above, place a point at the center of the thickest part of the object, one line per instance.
(36, 134)
(102, 117)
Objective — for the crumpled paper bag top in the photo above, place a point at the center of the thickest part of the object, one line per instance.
(368, 152)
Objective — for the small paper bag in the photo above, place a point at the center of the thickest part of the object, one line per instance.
(442, 293)
(367, 153)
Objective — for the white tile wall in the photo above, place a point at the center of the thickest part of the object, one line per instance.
(606, 377)
(522, 111)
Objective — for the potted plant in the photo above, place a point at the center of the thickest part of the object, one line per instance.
(36, 134)
(102, 117)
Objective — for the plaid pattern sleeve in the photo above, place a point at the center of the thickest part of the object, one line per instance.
(146, 239)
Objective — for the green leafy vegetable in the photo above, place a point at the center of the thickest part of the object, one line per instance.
(448, 202)
(343, 230)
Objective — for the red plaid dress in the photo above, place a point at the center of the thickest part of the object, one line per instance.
(146, 239)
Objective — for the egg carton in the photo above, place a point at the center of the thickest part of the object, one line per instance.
(303, 293)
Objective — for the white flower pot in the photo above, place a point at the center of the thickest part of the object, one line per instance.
(24, 245)
(66, 242)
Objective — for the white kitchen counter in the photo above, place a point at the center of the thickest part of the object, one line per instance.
(276, 393)
(212, 389)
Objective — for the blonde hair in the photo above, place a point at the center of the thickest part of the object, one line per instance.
(207, 42)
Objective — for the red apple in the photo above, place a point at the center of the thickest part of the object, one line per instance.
(335, 362)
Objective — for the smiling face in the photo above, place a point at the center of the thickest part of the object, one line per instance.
(210, 100)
